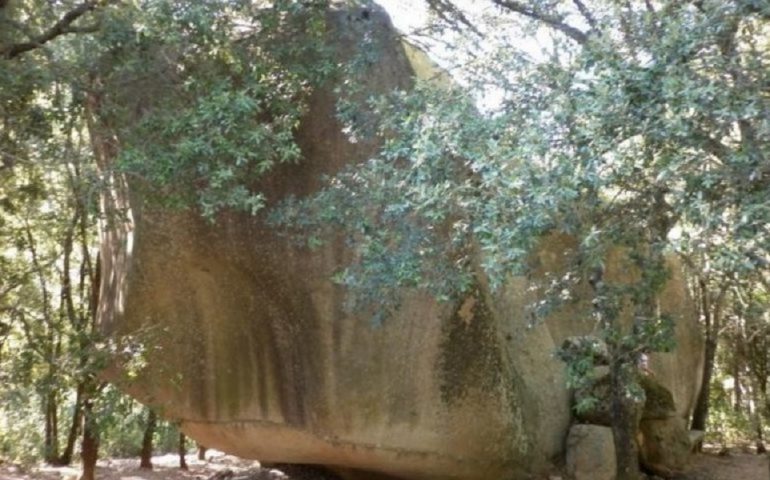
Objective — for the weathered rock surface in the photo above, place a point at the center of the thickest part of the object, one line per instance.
(590, 453)
(664, 446)
(658, 400)
(247, 342)
(664, 442)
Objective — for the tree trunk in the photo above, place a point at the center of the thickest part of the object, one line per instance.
(623, 419)
(738, 405)
(77, 420)
(89, 449)
(149, 432)
(623, 423)
(182, 451)
(51, 428)
(202, 452)
(712, 314)
(756, 417)
(701, 413)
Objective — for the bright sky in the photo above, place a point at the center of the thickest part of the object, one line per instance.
(407, 15)
(412, 15)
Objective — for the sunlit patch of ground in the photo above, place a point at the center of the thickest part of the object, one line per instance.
(735, 463)
(165, 467)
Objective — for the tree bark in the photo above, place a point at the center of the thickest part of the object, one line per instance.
(738, 389)
(182, 451)
(623, 423)
(51, 428)
(712, 313)
(623, 419)
(756, 417)
(89, 449)
(77, 420)
(701, 413)
(149, 432)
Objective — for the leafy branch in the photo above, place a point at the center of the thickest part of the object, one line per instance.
(63, 26)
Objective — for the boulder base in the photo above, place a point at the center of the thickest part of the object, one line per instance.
(664, 446)
(590, 453)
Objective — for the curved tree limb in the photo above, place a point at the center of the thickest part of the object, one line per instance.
(586, 13)
(554, 21)
(62, 27)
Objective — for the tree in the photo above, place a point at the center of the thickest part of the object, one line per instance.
(182, 450)
(234, 92)
(48, 306)
(640, 132)
(149, 432)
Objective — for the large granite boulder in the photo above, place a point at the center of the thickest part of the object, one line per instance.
(245, 340)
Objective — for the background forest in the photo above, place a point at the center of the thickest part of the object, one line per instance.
(643, 124)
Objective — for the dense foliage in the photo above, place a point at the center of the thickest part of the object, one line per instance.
(642, 132)
(191, 100)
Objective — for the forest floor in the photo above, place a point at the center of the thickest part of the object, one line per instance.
(165, 467)
(708, 466)
(734, 466)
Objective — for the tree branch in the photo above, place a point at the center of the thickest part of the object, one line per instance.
(586, 13)
(62, 27)
(554, 21)
(448, 12)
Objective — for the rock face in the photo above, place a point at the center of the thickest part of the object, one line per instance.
(664, 445)
(590, 453)
(664, 442)
(244, 339)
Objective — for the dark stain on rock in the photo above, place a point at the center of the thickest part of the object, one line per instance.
(470, 355)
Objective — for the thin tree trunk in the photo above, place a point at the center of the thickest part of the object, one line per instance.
(737, 385)
(701, 413)
(756, 417)
(712, 314)
(77, 420)
(623, 423)
(51, 428)
(622, 409)
(149, 432)
(182, 451)
(89, 449)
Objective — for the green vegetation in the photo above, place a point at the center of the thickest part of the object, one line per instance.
(203, 97)
(641, 130)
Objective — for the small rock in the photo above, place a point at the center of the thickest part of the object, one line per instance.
(225, 474)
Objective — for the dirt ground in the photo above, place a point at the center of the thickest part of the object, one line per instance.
(736, 466)
(164, 468)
